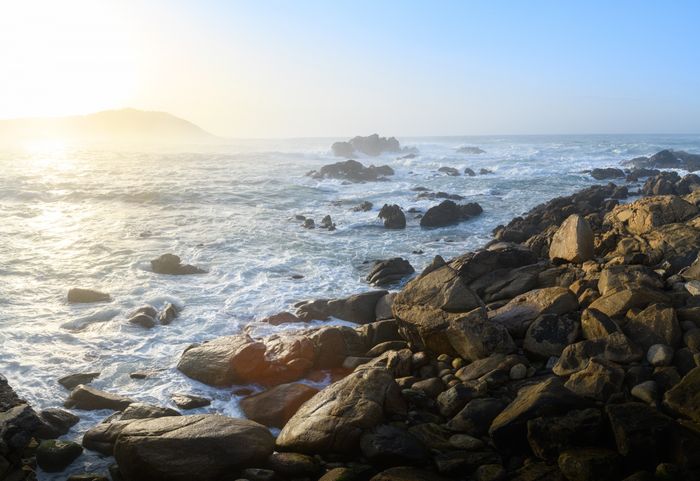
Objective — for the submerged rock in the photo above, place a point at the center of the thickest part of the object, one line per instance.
(447, 212)
(171, 264)
(468, 149)
(277, 405)
(352, 171)
(607, 173)
(77, 295)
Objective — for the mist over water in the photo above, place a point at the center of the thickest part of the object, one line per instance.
(95, 218)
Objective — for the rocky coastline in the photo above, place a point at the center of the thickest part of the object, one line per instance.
(568, 348)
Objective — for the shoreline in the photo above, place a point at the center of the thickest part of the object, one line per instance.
(449, 293)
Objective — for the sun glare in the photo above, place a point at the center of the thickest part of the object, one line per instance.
(62, 58)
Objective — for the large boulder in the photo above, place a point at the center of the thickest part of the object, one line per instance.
(615, 278)
(393, 216)
(334, 420)
(171, 264)
(448, 212)
(599, 380)
(573, 241)
(358, 308)
(428, 303)
(389, 271)
(517, 315)
(277, 405)
(549, 397)
(78, 295)
(684, 397)
(352, 171)
(224, 361)
(615, 304)
(474, 336)
(643, 215)
(203, 447)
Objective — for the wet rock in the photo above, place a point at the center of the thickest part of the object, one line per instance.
(309, 224)
(54, 456)
(167, 314)
(448, 212)
(102, 437)
(327, 223)
(364, 206)
(189, 401)
(667, 159)
(372, 145)
(517, 315)
(73, 380)
(599, 380)
(352, 171)
(607, 173)
(475, 336)
(439, 195)
(180, 448)
(451, 171)
(89, 398)
(590, 464)
(281, 318)
(171, 264)
(573, 241)
(643, 435)
(77, 295)
(334, 419)
(484, 171)
(56, 422)
(684, 397)
(548, 397)
(393, 216)
(277, 405)
(358, 308)
(142, 320)
(548, 335)
(389, 271)
(548, 436)
(387, 445)
(468, 149)
(428, 303)
(615, 304)
(469, 172)
(224, 361)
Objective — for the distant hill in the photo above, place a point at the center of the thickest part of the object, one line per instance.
(126, 126)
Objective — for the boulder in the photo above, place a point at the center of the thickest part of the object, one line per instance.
(387, 445)
(77, 295)
(293, 465)
(684, 397)
(224, 361)
(358, 308)
(643, 215)
(476, 417)
(89, 398)
(56, 423)
(549, 397)
(596, 325)
(451, 171)
(73, 380)
(54, 456)
(143, 320)
(180, 448)
(616, 348)
(549, 334)
(448, 212)
(428, 303)
(189, 401)
(172, 265)
(167, 314)
(470, 149)
(277, 405)
(573, 241)
(599, 380)
(607, 173)
(615, 304)
(615, 278)
(642, 434)
(18, 425)
(372, 145)
(334, 420)
(657, 324)
(475, 336)
(548, 436)
(389, 271)
(393, 216)
(517, 315)
(352, 171)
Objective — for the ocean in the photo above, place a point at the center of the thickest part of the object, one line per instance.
(94, 218)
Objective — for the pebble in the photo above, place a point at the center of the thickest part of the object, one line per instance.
(519, 371)
(646, 392)
(660, 355)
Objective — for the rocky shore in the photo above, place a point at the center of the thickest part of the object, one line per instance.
(568, 348)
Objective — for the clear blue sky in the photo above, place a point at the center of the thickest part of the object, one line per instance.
(338, 68)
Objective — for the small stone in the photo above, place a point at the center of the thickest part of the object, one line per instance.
(646, 391)
(660, 355)
(519, 371)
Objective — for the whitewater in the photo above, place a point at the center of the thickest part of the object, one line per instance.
(94, 218)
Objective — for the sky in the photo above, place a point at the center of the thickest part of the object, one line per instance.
(301, 68)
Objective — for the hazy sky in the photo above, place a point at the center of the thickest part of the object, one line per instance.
(339, 68)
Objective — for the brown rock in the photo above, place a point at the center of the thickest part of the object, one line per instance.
(573, 241)
(277, 405)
